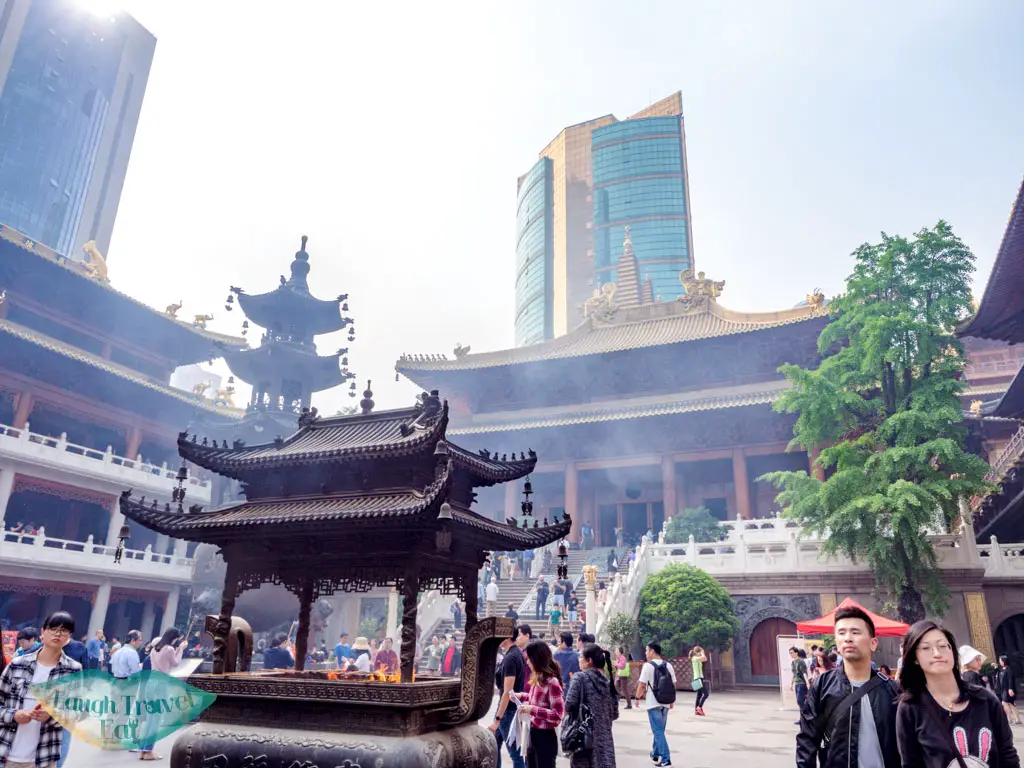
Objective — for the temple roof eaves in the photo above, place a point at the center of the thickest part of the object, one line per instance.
(648, 325)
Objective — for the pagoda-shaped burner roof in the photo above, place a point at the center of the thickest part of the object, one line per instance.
(333, 441)
(290, 309)
(306, 512)
(300, 361)
(368, 436)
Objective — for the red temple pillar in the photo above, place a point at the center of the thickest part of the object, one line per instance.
(668, 486)
(23, 408)
(133, 441)
(572, 493)
(741, 482)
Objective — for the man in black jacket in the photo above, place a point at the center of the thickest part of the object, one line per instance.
(840, 725)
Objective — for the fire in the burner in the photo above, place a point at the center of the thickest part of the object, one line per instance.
(378, 676)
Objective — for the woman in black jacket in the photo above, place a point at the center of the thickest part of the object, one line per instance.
(1007, 690)
(942, 722)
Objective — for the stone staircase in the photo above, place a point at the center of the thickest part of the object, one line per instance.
(576, 560)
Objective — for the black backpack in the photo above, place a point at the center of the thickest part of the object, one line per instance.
(662, 686)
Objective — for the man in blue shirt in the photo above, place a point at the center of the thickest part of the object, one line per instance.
(342, 651)
(126, 661)
(97, 647)
(567, 658)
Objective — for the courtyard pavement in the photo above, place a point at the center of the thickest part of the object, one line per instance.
(741, 729)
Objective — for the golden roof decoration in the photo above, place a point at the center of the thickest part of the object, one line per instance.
(95, 266)
(26, 243)
(975, 407)
(816, 301)
(601, 306)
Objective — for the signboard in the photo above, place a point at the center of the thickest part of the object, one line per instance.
(783, 643)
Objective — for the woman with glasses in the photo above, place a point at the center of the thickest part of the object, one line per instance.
(35, 739)
(943, 722)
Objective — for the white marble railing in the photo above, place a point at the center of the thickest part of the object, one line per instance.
(120, 472)
(784, 553)
(1002, 560)
(37, 550)
(624, 592)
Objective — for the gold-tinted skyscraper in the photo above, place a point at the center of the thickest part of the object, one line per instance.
(643, 182)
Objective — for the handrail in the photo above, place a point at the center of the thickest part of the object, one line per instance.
(90, 547)
(1012, 452)
(62, 445)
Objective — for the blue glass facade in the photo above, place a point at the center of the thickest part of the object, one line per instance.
(639, 180)
(54, 108)
(534, 254)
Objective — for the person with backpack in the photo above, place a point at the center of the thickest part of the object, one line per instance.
(658, 686)
(849, 715)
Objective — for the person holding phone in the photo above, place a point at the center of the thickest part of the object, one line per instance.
(35, 740)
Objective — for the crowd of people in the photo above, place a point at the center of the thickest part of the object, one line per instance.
(935, 712)
(38, 741)
(577, 687)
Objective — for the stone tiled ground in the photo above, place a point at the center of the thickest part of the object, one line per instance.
(745, 730)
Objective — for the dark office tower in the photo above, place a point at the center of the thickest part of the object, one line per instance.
(71, 89)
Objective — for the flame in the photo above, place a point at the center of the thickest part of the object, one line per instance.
(380, 675)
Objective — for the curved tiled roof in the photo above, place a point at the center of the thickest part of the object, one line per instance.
(490, 470)
(1001, 312)
(121, 371)
(687, 403)
(649, 325)
(393, 433)
(72, 267)
(293, 512)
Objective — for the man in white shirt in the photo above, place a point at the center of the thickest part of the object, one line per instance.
(125, 662)
(491, 593)
(658, 682)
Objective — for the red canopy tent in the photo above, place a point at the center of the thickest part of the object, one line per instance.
(826, 624)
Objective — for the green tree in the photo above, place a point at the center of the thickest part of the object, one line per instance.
(682, 606)
(695, 521)
(622, 630)
(885, 402)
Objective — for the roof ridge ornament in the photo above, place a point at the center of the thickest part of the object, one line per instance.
(700, 292)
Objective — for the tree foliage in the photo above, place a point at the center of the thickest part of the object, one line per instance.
(682, 606)
(697, 522)
(885, 403)
(622, 630)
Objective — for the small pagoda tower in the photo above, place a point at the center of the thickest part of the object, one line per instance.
(285, 369)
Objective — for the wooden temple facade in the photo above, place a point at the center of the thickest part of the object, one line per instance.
(649, 408)
(85, 409)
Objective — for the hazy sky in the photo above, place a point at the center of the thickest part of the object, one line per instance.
(392, 134)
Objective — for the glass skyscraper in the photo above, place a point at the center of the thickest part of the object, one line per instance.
(71, 89)
(604, 174)
(534, 253)
(639, 180)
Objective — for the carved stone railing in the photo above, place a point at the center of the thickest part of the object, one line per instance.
(38, 550)
(756, 555)
(118, 471)
(1002, 560)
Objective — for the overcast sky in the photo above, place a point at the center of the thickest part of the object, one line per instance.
(392, 134)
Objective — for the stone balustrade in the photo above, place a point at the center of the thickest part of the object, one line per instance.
(39, 550)
(119, 472)
(777, 549)
(1002, 560)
